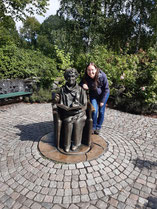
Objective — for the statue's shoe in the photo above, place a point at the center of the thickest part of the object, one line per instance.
(74, 147)
(67, 149)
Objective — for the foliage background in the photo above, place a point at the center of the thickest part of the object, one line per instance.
(119, 36)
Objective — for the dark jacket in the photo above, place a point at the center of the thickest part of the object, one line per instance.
(102, 89)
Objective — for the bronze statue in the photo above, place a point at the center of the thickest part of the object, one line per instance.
(70, 117)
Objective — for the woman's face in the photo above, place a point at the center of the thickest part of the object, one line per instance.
(91, 71)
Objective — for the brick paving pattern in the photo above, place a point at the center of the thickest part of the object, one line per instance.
(123, 177)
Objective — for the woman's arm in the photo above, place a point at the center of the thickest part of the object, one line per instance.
(85, 86)
(105, 89)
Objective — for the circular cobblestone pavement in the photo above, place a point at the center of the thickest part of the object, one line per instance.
(123, 177)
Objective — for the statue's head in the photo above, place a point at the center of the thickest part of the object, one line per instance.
(70, 75)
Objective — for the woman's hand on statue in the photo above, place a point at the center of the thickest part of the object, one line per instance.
(85, 86)
(101, 104)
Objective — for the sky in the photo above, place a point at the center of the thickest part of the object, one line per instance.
(52, 9)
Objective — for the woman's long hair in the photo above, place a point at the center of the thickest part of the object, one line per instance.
(96, 78)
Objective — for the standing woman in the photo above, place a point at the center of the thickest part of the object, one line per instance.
(96, 82)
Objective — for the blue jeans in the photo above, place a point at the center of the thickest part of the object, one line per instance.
(98, 114)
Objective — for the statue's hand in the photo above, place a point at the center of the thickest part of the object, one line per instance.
(55, 98)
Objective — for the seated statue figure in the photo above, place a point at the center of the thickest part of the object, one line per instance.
(71, 102)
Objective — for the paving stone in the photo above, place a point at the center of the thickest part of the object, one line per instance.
(111, 207)
(76, 191)
(82, 184)
(72, 166)
(79, 165)
(75, 172)
(89, 176)
(135, 191)
(92, 207)
(121, 205)
(72, 206)
(107, 191)
(28, 203)
(17, 205)
(76, 198)
(84, 190)
(123, 177)
(91, 182)
(83, 171)
(101, 204)
(93, 196)
(150, 185)
(39, 197)
(57, 199)
(131, 202)
(151, 180)
(75, 177)
(37, 189)
(31, 195)
(85, 198)
(57, 207)
(52, 192)
(98, 187)
(86, 164)
(113, 202)
(67, 178)
(134, 197)
(99, 194)
(25, 207)
(35, 206)
(83, 205)
(67, 200)
(122, 198)
(44, 190)
(90, 169)
(74, 185)
(60, 192)
(65, 205)
(60, 185)
(68, 173)
(15, 195)
(82, 177)
(67, 192)
(9, 202)
(48, 198)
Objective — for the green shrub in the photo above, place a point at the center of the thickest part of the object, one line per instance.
(42, 95)
(63, 61)
(21, 63)
(132, 78)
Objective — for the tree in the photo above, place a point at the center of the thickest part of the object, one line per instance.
(15, 9)
(30, 30)
(153, 24)
(19, 9)
(53, 32)
(8, 32)
(86, 20)
(113, 22)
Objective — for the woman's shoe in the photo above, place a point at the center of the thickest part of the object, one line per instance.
(97, 131)
(93, 131)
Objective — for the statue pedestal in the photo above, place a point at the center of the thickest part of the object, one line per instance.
(49, 150)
